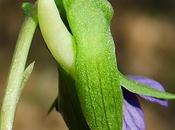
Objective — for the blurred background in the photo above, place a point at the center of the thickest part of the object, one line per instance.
(144, 33)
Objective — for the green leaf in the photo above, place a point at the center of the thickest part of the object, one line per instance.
(142, 89)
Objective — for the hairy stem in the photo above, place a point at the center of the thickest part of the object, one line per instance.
(17, 75)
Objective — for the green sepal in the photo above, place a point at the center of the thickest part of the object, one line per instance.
(142, 89)
(68, 103)
(27, 73)
(95, 64)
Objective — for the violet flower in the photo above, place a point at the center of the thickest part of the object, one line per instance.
(133, 116)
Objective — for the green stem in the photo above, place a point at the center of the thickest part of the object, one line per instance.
(16, 74)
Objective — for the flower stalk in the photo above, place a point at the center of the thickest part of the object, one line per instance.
(18, 75)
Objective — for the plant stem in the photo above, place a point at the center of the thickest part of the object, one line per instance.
(16, 74)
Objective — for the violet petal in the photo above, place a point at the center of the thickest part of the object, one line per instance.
(153, 84)
(133, 116)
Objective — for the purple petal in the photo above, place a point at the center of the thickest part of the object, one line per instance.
(153, 84)
(133, 116)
